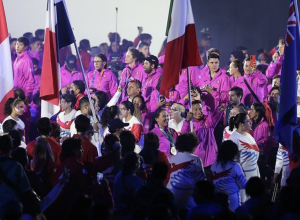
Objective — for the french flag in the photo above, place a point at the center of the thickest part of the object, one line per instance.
(6, 72)
(58, 34)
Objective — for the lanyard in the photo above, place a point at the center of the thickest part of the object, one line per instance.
(101, 75)
(168, 135)
(148, 80)
(44, 136)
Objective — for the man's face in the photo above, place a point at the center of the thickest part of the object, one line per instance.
(74, 90)
(274, 95)
(148, 67)
(145, 50)
(13, 45)
(132, 89)
(20, 48)
(233, 98)
(213, 64)
(36, 45)
(148, 41)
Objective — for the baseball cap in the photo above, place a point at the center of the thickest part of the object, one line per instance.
(116, 123)
(152, 59)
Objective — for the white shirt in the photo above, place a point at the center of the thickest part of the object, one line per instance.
(65, 122)
(20, 123)
(176, 127)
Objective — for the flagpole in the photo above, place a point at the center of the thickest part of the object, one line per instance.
(116, 25)
(85, 81)
(190, 98)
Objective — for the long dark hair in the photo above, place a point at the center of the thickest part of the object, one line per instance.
(10, 103)
(235, 121)
(260, 109)
(103, 99)
(129, 105)
(103, 58)
(108, 114)
(228, 151)
(155, 115)
(150, 149)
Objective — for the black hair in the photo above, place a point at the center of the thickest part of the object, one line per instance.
(6, 144)
(35, 61)
(238, 91)
(23, 40)
(204, 189)
(108, 114)
(228, 151)
(103, 58)
(84, 44)
(238, 55)
(135, 53)
(55, 130)
(240, 48)
(255, 187)
(84, 101)
(247, 59)
(8, 125)
(12, 40)
(260, 109)
(127, 141)
(142, 99)
(129, 105)
(79, 85)
(159, 171)
(155, 115)
(39, 32)
(68, 147)
(10, 103)
(142, 44)
(16, 138)
(196, 102)
(145, 37)
(238, 64)
(34, 39)
(276, 77)
(112, 145)
(69, 98)
(212, 50)
(187, 142)
(150, 149)
(197, 89)
(82, 123)
(130, 161)
(235, 121)
(44, 126)
(19, 93)
(103, 99)
(137, 82)
(20, 155)
(274, 88)
(213, 56)
(71, 57)
(36, 98)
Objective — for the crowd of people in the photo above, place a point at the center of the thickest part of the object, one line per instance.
(143, 155)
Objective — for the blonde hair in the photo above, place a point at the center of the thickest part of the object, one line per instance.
(179, 107)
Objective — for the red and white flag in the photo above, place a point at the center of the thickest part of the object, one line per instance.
(6, 72)
(182, 48)
(58, 34)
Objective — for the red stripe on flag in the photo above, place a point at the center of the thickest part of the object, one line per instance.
(8, 95)
(3, 27)
(49, 90)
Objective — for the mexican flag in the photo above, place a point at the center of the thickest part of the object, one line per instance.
(182, 48)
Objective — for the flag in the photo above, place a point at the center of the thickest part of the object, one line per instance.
(58, 34)
(182, 48)
(6, 72)
(287, 114)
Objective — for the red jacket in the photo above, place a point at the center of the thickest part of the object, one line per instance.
(78, 97)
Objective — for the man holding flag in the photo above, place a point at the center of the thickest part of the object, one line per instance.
(287, 114)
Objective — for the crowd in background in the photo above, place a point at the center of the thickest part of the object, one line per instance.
(144, 155)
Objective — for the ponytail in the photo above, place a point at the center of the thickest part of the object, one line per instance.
(235, 121)
(10, 103)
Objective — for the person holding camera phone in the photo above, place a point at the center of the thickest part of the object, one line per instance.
(274, 68)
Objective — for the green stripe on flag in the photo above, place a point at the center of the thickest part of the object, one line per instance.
(169, 17)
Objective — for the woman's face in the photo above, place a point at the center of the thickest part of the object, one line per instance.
(163, 119)
(197, 111)
(129, 58)
(124, 111)
(19, 108)
(174, 112)
(138, 102)
(232, 69)
(115, 47)
(96, 103)
(247, 124)
(98, 63)
(253, 114)
(247, 68)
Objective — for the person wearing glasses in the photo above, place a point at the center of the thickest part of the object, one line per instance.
(102, 78)
(177, 113)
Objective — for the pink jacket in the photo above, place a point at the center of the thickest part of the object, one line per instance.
(24, 74)
(37, 78)
(107, 82)
(258, 83)
(146, 120)
(247, 99)
(155, 97)
(38, 56)
(221, 86)
(67, 77)
(150, 82)
(207, 149)
(182, 86)
(164, 143)
(261, 133)
(274, 69)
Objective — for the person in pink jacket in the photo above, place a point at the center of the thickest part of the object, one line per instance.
(36, 50)
(159, 101)
(167, 136)
(102, 78)
(37, 75)
(143, 114)
(237, 80)
(215, 85)
(275, 66)
(182, 87)
(204, 128)
(256, 80)
(68, 72)
(260, 128)
(23, 68)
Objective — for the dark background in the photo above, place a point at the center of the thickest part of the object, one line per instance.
(251, 23)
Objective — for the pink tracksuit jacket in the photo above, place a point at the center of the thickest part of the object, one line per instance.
(67, 77)
(274, 69)
(155, 97)
(150, 83)
(105, 81)
(24, 74)
(258, 83)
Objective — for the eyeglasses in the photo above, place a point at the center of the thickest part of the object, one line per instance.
(98, 61)
(173, 110)
(123, 109)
